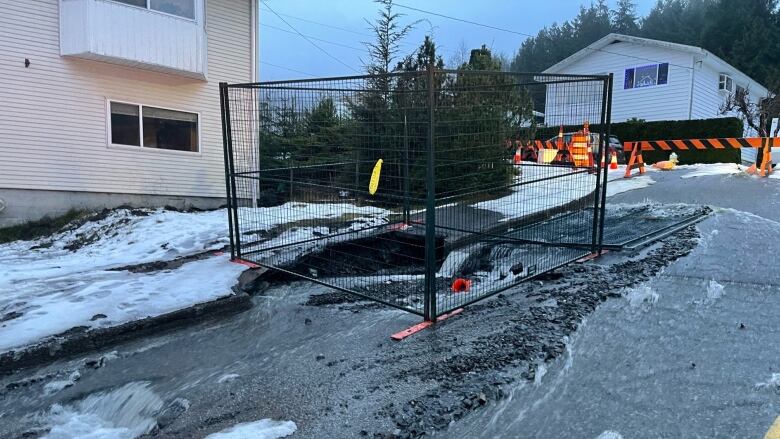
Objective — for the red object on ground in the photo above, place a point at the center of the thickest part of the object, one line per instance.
(398, 226)
(461, 285)
(591, 257)
(398, 336)
(243, 262)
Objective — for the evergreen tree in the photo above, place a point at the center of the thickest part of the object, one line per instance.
(624, 19)
(745, 33)
(388, 34)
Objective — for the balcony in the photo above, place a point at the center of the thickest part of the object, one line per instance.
(137, 35)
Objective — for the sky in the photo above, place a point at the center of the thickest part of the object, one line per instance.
(339, 27)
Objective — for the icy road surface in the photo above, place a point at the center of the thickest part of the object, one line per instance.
(692, 353)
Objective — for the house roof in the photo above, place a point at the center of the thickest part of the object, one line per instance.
(705, 56)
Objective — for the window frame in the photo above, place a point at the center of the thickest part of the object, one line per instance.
(657, 76)
(110, 144)
(148, 8)
(724, 78)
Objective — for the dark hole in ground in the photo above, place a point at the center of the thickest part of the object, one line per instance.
(392, 252)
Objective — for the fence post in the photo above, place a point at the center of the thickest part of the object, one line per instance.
(608, 129)
(601, 155)
(227, 139)
(430, 206)
(228, 176)
(407, 208)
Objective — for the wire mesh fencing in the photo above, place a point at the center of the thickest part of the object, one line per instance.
(407, 188)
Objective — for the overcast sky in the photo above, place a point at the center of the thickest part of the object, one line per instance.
(281, 48)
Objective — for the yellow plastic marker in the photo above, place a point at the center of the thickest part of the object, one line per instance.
(774, 430)
(373, 185)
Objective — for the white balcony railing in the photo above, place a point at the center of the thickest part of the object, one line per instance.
(115, 32)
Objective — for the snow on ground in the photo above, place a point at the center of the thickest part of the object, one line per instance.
(618, 186)
(536, 196)
(699, 170)
(51, 306)
(69, 279)
(263, 429)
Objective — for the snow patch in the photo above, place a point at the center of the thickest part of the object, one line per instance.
(618, 186)
(539, 194)
(610, 435)
(262, 429)
(52, 306)
(701, 170)
(124, 413)
(66, 280)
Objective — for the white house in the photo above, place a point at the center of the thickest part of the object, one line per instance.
(653, 80)
(110, 102)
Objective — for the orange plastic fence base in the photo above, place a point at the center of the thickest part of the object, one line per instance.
(398, 336)
(243, 262)
(591, 257)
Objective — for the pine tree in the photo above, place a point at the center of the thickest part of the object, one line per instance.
(624, 19)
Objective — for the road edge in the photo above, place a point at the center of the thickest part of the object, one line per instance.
(81, 340)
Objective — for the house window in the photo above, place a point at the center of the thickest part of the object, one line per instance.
(153, 127)
(740, 90)
(646, 76)
(125, 124)
(180, 8)
(725, 83)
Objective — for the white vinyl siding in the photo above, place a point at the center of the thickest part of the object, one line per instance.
(53, 123)
(707, 98)
(106, 30)
(660, 102)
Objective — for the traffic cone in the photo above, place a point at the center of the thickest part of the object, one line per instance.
(613, 164)
(518, 155)
(591, 162)
(560, 144)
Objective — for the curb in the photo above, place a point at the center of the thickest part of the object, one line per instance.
(81, 340)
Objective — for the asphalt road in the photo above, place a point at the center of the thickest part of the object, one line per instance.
(693, 353)
(689, 352)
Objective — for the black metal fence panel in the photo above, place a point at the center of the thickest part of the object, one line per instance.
(407, 189)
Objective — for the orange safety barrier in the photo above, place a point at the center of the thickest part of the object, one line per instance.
(545, 144)
(579, 150)
(765, 144)
(636, 160)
